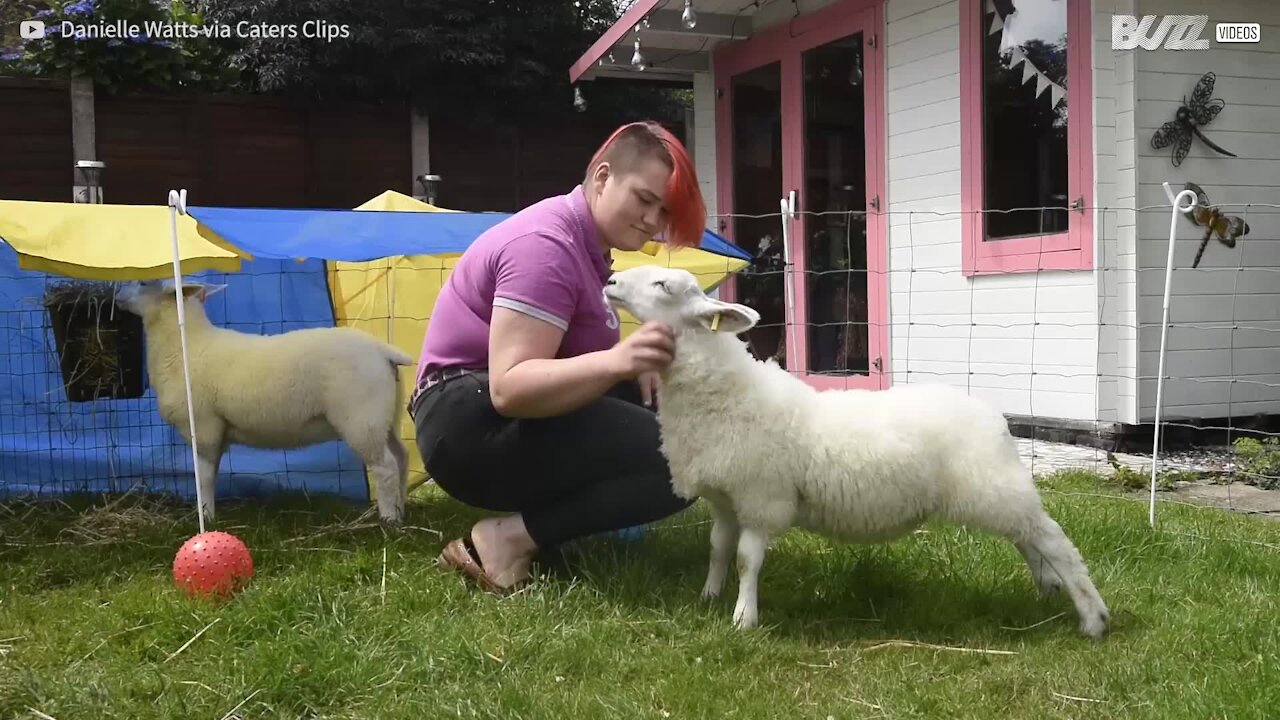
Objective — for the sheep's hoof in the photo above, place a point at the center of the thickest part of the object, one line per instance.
(710, 591)
(745, 618)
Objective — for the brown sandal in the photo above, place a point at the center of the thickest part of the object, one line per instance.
(460, 555)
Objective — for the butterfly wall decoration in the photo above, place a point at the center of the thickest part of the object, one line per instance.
(1228, 228)
(1191, 116)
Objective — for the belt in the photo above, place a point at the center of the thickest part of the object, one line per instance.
(436, 377)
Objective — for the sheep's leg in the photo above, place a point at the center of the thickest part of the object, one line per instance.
(207, 462)
(752, 543)
(724, 535)
(402, 465)
(208, 457)
(1046, 578)
(386, 470)
(380, 450)
(1063, 559)
(388, 463)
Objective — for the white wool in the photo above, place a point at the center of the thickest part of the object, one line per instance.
(769, 452)
(281, 391)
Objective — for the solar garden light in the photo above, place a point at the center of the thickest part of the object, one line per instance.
(88, 181)
(430, 187)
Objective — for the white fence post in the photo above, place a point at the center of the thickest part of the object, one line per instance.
(1175, 208)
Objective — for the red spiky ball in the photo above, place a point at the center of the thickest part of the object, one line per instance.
(212, 564)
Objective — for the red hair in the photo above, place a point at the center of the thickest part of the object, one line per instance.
(686, 210)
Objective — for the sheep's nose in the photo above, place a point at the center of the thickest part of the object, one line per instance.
(611, 281)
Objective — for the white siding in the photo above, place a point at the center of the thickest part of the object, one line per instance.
(1026, 341)
(1238, 287)
(1116, 221)
(704, 141)
(703, 147)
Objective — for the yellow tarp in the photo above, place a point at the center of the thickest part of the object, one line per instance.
(109, 242)
(392, 200)
(392, 298)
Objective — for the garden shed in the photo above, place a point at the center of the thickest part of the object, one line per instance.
(970, 193)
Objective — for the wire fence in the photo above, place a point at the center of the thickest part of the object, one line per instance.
(1063, 352)
(1054, 345)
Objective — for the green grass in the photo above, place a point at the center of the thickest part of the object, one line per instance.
(91, 625)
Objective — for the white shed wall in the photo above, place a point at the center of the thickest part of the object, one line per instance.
(982, 333)
(1115, 224)
(704, 142)
(1238, 286)
(974, 332)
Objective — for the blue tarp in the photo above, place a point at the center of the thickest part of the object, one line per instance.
(50, 446)
(363, 235)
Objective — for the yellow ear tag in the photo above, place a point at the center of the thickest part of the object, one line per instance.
(715, 322)
(651, 248)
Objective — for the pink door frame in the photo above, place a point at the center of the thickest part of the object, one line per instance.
(785, 44)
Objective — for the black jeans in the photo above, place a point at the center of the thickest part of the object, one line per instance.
(593, 470)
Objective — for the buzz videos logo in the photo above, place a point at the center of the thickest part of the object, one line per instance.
(31, 29)
(1176, 32)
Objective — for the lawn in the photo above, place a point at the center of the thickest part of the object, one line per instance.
(346, 620)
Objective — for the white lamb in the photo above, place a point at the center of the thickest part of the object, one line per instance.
(280, 391)
(769, 452)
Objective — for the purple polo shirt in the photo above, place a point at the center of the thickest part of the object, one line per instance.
(544, 261)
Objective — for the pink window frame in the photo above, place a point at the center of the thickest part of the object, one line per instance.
(1072, 250)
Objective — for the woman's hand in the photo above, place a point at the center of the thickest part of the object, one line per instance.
(648, 350)
(650, 383)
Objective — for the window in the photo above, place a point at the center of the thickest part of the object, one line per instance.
(1026, 135)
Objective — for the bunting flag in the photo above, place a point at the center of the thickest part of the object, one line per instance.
(1006, 26)
(1056, 94)
(1042, 84)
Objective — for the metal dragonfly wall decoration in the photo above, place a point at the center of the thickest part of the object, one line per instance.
(1191, 116)
(1228, 228)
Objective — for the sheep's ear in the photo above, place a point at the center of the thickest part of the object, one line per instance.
(200, 291)
(719, 316)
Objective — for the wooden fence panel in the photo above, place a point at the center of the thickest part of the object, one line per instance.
(149, 148)
(35, 141)
(503, 169)
(254, 151)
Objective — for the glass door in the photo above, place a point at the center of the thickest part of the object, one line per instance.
(751, 171)
(799, 167)
(841, 292)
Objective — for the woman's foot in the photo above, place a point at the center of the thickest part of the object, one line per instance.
(506, 551)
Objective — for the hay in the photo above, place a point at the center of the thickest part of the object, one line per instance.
(124, 518)
(99, 344)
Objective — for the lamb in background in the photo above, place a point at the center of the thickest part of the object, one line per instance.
(273, 391)
(769, 452)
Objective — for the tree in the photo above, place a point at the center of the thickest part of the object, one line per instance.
(457, 60)
(477, 60)
(12, 13)
(130, 56)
